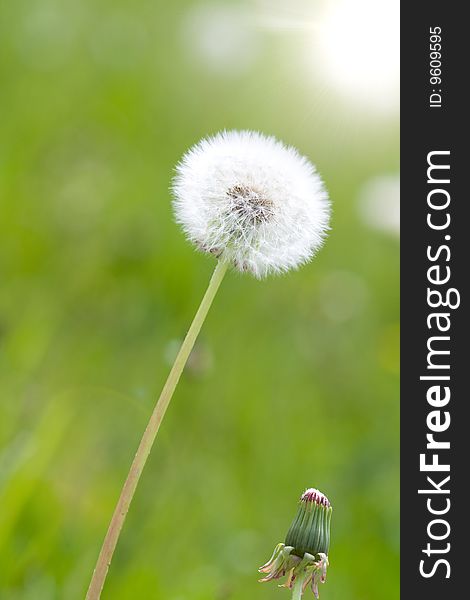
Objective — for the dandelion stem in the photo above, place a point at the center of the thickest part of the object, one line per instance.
(148, 438)
(298, 585)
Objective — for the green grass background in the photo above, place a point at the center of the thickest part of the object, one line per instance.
(99, 99)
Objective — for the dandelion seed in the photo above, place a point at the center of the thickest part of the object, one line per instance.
(251, 201)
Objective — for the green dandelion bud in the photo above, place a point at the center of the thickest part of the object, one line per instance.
(304, 555)
(310, 530)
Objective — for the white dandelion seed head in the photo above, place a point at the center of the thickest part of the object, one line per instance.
(251, 201)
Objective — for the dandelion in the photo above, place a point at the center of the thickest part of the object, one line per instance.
(304, 555)
(251, 201)
(256, 205)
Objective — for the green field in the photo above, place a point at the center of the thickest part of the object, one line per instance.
(294, 381)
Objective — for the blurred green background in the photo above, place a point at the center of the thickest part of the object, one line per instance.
(294, 381)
